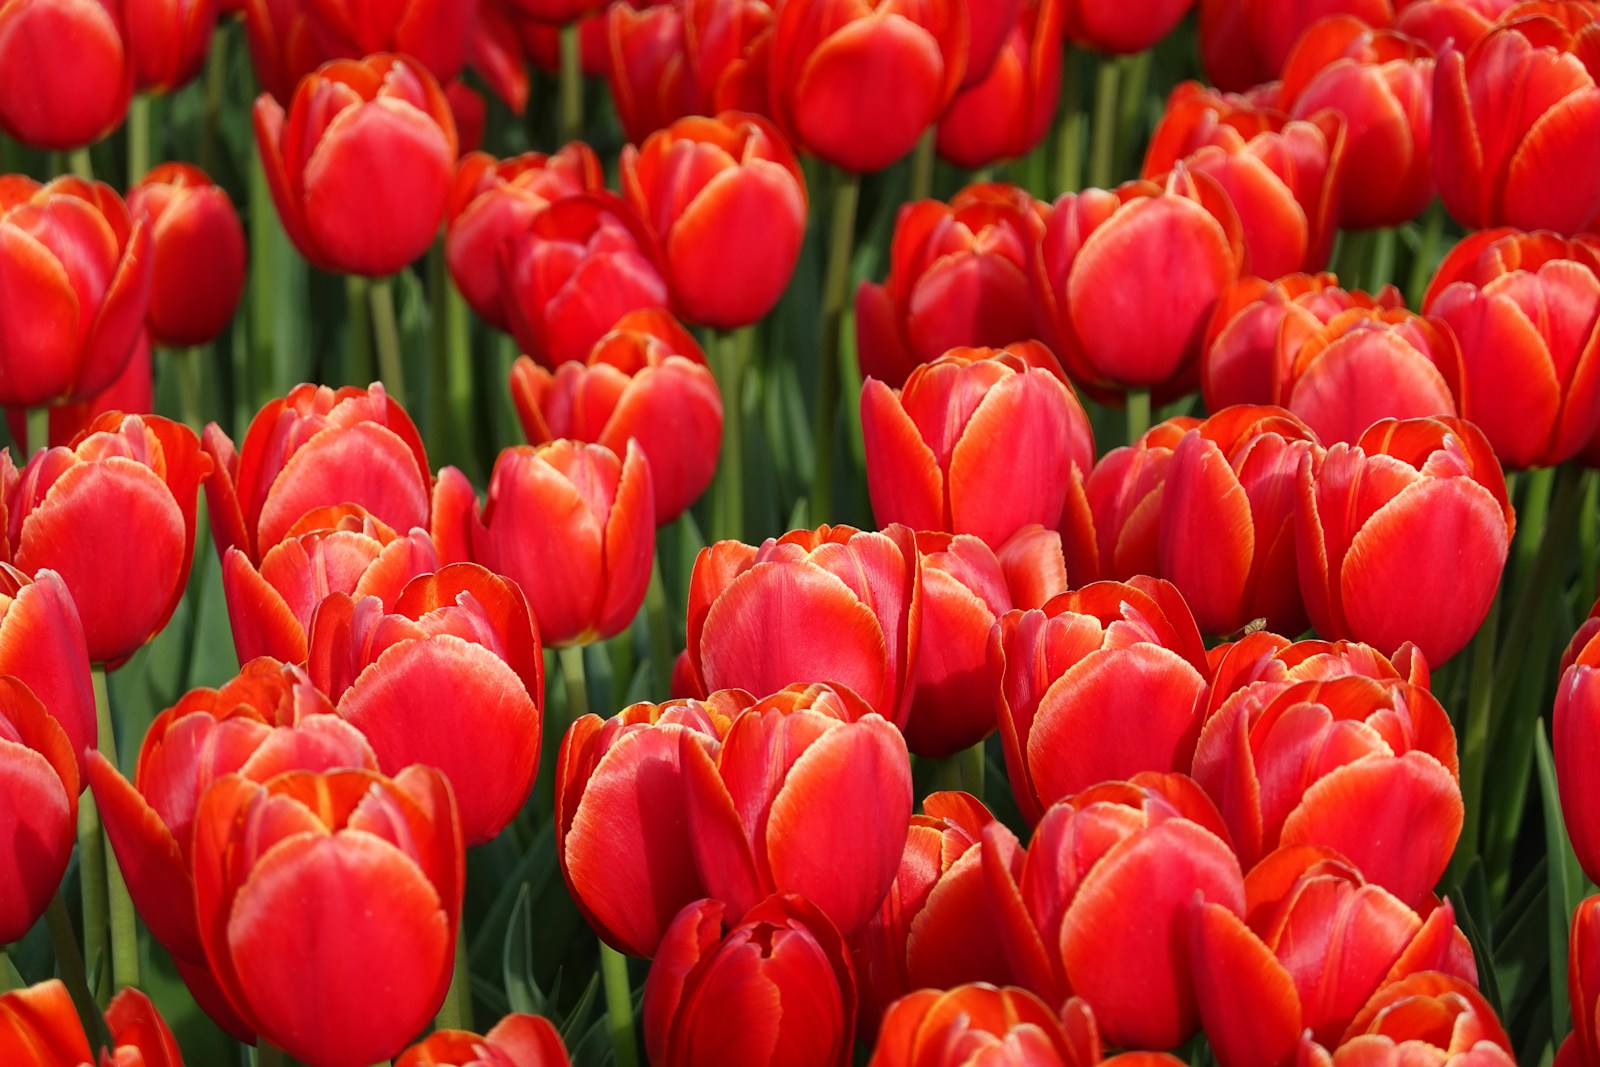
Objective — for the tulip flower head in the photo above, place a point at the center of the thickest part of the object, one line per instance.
(38, 809)
(65, 73)
(197, 251)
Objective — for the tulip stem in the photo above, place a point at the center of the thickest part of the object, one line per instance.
(96, 900)
(835, 295)
(38, 429)
(1422, 267)
(124, 922)
(1103, 143)
(456, 1011)
(138, 137)
(358, 303)
(81, 163)
(922, 166)
(186, 368)
(1069, 141)
(655, 606)
(571, 83)
(1380, 269)
(450, 373)
(216, 85)
(619, 1004)
(1138, 413)
(728, 504)
(1475, 737)
(571, 657)
(264, 280)
(70, 963)
(268, 1055)
(386, 334)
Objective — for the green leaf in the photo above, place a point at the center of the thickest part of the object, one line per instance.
(522, 992)
(1565, 881)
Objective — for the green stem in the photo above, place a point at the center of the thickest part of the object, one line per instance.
(1069, 139)
(6, 971)
(571, 84)
(38, 429)
(571, 657)
(269, 1055)
(216, 85)
(96, 900)
(728, 503)
(1131, 110)
(661, 655)
(1475, 737)
(82, 163)
(138, 137)
(972, 769)
(1138, 413)
(456, 1011)
(1557, 532)
(386, 332)
(1380, 269)
(358, 309)
(619, 1005)
(1103, 143)
(1350, 257)
(450, 371)
(186, 368)
(255, 369)
(835, 296)
(1423, 266)
(922, 166)
(123, 919)
(70, 963)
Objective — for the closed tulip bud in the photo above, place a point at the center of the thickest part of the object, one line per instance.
(726, 200)
(936, 448)
(436, 33)
(1265, 657)
(282, 48)
(1525, 312)
(1098, 242)
(782, 964)
(580, 265)
(1457, 23)
(498, 55)
(1317, 940)
(316, 448)
(650, 85)
(555, 12)
(1582, 1046)
(1436, 523)
(988, 24)
(1101, 904)
(453, 677)
(1237, 474)
(1531, 166)
(860, 592)
(38, 809)
(1382, 83)
(1434, 1018)
(979, 1023)
(65, 74)
(1124, 495)
(1575, 737)
(1102, 683)
(1247, 42)
(75, 268)
(343, 214)
(516, 1041)
(382, 861)
(1244, 361)
(1007, 114)
(832, 61)
(492, 201)
(1122, 29)
(167, 40)
(197, 254)
(957, 278)
(727, 45)
(40, 1027)
(42, 646)
(1196, 115)
(646, 381)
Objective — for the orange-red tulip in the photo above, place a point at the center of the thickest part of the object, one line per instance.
(1575, 737)
(1122, 28)
(988, 22)
(1428, 1017)
(282, 49)
(1247, 42)
(1582, 1046)
(1123, 494)
(42, 646)
(516, 1041)
(167, 41)
(1007, 113)
(650, 85)
(40, 1027)
(65, 73)
(726, 45)
(1438, 23)
(38, 808)
(133, 392)
(197, 254)
(436, 33)
(980, 1024)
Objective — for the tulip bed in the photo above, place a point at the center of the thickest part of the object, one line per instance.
(725, 533)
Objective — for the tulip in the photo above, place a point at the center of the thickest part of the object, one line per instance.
(1582, 1046)
(580, 265)
(453, 677)
(39, 1026)
(75, 271)
(979, 1023)
(1236, 474)
(1525, 311)
(330, 550)
(197, 252)
(782, 969)
(1433, 1018)
(1097, 243)
(1381, 81)
(493, 201)
(1007, 114)
(1264, 657)
(726, 200)
(470, 114)
(571, 523)
(1197, 115)
(957, 277)
(646, 381)
(1438, 23)
(1102, 683)
(937, 449)
(1247, 42)
(496, 53)
(1100, 905)
(542, 40)
(1416, 554)
(316, 448)
(516, 1041)
(857, 82)
(988, 24)
(1124, 496)
(1530, 165)
(726, 45)
(649, 86)
(553, 11)
(833, 604)
(282, 49)
(382, 859)
(167, 40)
(343, 214)
(42, 646)
(1316, 942)
(133, 392)
(123, 474)
(1244, 360)
(65, 74)
(436, 33)
(1575, 737)
(39, 814)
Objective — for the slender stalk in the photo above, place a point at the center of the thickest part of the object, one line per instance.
(70, 963)
(1422, 267)
(1103, 135)
(1380, 269)
(82, 163)
(571, 657)
(123, 920)
(6, 970)
(456, 1011)
(661, 655)
(358, 302)
(216, 85)
(38, 428)
(1138, 413)
(571, 83)
(1131, 106)
(186, 368)
(1558, 531)
(264, 253)
(450, 370)
(138, 137)
(1350, 257)
(835, 295)
(96, 898)
(922, 167)
(386, 334)
(728, 504)
(619, 1005)
(972, 770)
(1069, 138)
(1475, 736)
(269, 1055)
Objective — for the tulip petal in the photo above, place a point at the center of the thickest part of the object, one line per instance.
(1248, 1004)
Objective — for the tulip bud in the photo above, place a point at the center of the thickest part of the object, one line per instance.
(38, 810)
(167, 41)
(726, 44)
(1119, 28)
(649, 86)
(39, 1025)
(1582, 1046)
(516, 1041)
(1436, 1017)
(1457, 23)
(1575, 737)
(436, 33)
(1007, 113)
(65, 73)
(1247, 42)
(1124, 496)
(978, 1023)
(282, 49)
(197, 253)
(42, 646)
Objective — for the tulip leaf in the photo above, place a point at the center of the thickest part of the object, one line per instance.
(1482, 950)
(522, 992)
(1565, 881)
(533, 872)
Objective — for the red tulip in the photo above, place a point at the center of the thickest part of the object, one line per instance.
(124, 474)
(988, 24)
(493, 201)
(1403, 535)
(981, 441)
(980, 1024)
(133, 392)
(453, 677)
(580, 265)
(42, 646)
(1236, 474)
(167, 40)
(1575, 736)
(282, 49)
(382, 861)
(496, 54)
(470, 114)
(1259, 326)
(1103, 683)
(1266, 657)
(39, 1027)
(834, 604)
(1124, 496)
(966, 586)
(197, 252)
(726, 200)
(1381, 81)
(1197, 115)
(330, 550)
(38, 808)
(1316, 942)
(646, 381)
(542, 40)
(1515, 120)
(650, 87)
(857, 82)
(1086, 278)
(1525, 311)
(553, 11)
(75, 277)
(1432, 1018)
(1101, 904)
(1246, 42)
(1121, 28)
(316, 448)
(572, 524)
(957, 277)
(726, 45)
(1007, 114)
(516, 1041)
(436, 33)
(65, 74)
(781, 970)
(1582, 1046)
(1438, 23)
(343, 214)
